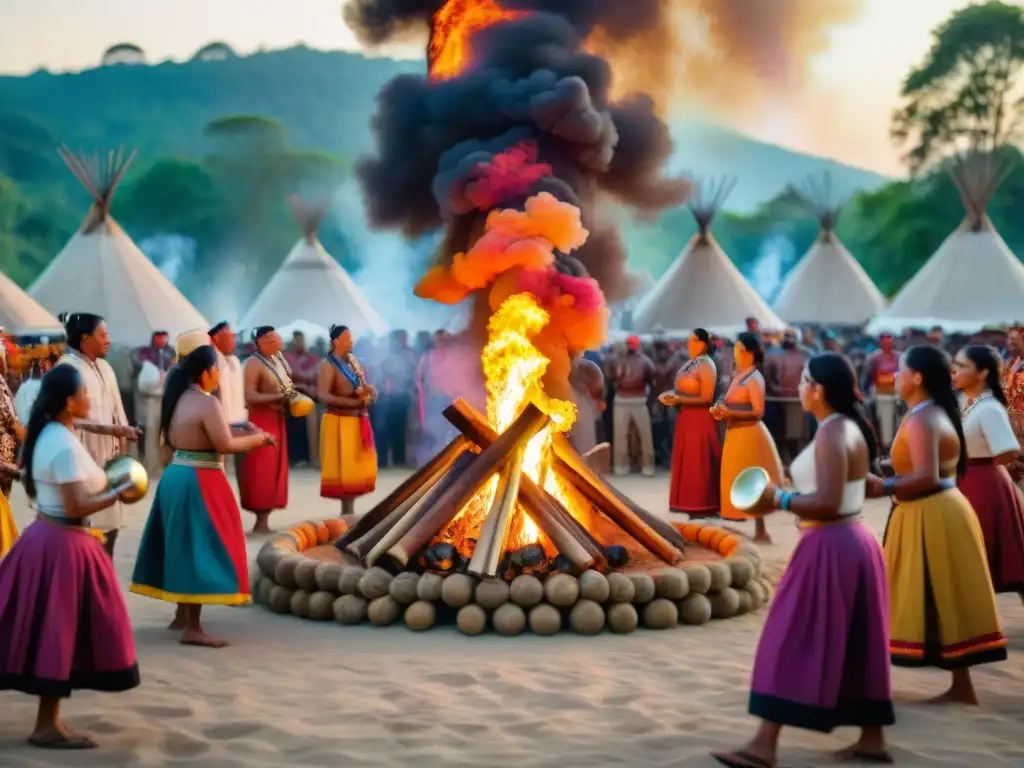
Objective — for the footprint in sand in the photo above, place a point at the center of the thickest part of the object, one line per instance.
(182, 745)
(454, 679)
(230, 731)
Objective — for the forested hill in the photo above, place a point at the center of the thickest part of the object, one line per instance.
(326, 100)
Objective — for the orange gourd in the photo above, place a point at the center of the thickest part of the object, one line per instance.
(323, 533)
(704, 537)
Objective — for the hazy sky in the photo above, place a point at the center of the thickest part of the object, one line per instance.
(843, 113)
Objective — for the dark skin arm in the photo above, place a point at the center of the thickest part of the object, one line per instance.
(325, 388)
(923, 438)
(253, 396)
(832, 468)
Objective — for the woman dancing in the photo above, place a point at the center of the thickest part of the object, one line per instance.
(63, 621)
(822, 661)
(696, 451)
(943, 605)
(747, 440)
(991, 446)
(193, 548)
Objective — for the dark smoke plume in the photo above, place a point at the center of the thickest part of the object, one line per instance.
(532, 81)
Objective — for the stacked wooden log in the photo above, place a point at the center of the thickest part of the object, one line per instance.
(288, 581)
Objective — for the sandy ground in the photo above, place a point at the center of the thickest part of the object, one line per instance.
(290, 692)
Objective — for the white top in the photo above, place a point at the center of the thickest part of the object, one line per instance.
(232, 388)
(803, 470)
(105, 407)
(58, 459)
(987, 429)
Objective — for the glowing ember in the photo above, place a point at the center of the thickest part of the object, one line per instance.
(452, 30)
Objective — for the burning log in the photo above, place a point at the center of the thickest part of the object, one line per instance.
(552, 518)
(399, 522)
(494, 536)
(421, 478)
(440, 512)
(363, 546)
(610, 503)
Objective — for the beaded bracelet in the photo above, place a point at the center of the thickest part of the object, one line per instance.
(787, 497)
(777, 498)
(888, 486)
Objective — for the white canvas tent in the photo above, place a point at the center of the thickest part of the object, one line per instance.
(20, 312)
(828, 286)
(703, 288)
(312, 287)
(102, 271)
(973, 280)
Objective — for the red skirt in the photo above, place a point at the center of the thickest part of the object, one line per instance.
(263, 472)
(997, 503)
(696, 464)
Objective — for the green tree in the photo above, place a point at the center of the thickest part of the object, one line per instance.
(964, 95)
(179, 196)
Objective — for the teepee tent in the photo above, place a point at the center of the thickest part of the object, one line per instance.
(827, 286)
(102, 271)
(312, 287)
(20, 312)
(973, 280)
(703, 288)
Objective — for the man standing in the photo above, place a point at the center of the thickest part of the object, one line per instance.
(152, 364)
(633, 377)
(263, 472)
(394, 400)
(880, 382)
(107, 429)
(302, 432)
(786, 371)
(232, 387)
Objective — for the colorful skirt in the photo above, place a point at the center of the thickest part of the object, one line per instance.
(823, 657)
(696, 464)
(64, 624)
(1000, 511)
(193, 546)
(746, 445)
(943, 605)
(8, 528)
(263, 472)
(348, 458)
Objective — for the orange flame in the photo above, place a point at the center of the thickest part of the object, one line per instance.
(451, 34)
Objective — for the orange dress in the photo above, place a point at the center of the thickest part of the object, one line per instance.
(696, 451)
(747, 444)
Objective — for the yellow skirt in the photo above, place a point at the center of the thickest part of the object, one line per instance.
(943, 606)
(348, 458)
(746, 445)
(8, 529)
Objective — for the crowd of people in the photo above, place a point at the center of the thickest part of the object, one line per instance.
(708, 408)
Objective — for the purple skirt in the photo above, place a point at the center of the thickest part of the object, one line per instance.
(823, 657)
(63, 621)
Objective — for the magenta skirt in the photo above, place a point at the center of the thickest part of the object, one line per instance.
(823, 658)
(63, 621)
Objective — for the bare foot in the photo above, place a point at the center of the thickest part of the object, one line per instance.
(60, 737)
(762, 538)
(743, 758)
(177, 625)
(261, 528)
(956, 696)
(197, 637)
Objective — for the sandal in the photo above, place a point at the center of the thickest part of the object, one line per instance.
(741, 759)
(61, 742)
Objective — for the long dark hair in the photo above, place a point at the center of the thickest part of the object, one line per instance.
(77, 325)
(836, 376)
(60, 384)
(187, 372)
(933, 366)
(704, 337)
(752, 343)
(985, 358)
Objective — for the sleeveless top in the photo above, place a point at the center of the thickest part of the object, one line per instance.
(803, 470)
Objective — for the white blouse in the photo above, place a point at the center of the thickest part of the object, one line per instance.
(804, 471)
(59, 459)
(987, 429)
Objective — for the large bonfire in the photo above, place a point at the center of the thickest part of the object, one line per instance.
(512, 144)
